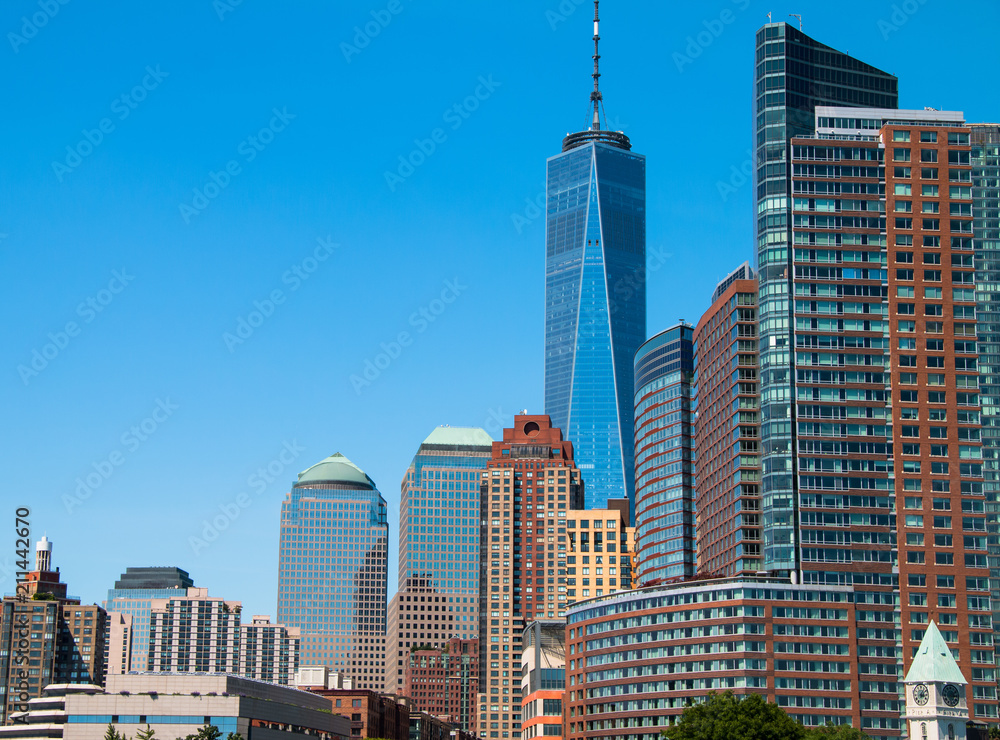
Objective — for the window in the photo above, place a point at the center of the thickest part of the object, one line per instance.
(901, 172)
(928, 137)
(933, 293)
(928, 173)
(933, 309)
(930, 206)
(904, 206)
(901, 154)
(904, 223)
(898, 135)
(930, 224)
(906, 308)
(932, 276)
(902, 188)
(928, 155)
(904, 274)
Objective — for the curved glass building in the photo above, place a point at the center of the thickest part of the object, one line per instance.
(664, 457)
(332, 570)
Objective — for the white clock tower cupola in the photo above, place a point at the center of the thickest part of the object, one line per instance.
(936, 708)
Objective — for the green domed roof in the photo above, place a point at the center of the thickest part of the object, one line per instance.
(335, 469)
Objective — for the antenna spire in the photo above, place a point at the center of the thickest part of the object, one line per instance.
(595, 97)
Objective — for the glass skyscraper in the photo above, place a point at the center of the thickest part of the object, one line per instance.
(332, 570)
(438, 546)
(439, 510)
(133, 594)
(595, 303)
(794, 73)
(664, 462)
(985, 140)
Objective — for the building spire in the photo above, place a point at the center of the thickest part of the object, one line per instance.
(595, 97)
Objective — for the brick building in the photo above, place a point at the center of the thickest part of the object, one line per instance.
(444, 681)
(528, 488)
(634, 660)
(47, 637)
(727, 432)
(372, 715)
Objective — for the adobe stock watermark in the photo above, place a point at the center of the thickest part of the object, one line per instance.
(48, 9)
(901, 14)
(496, 421)
(294, 277)
(59, 340)
(258, 481)
(364, 34)
(454, 116)
(248, 149)
(562, 12)
(122, 107)
(421, 319)
(131, 440)
(738, 177)
(223, 8)
(714, 28)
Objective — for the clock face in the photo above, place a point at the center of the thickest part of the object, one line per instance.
(920, 694)
(950, 694)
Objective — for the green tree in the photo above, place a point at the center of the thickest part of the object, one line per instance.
(208, 732)
(148, 734)
(730, 717)
(112, 734)
(234, 736)
(835, 732)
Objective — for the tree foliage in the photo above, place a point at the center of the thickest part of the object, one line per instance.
(208, 732)
(729, 717)
(835, 732)
(147, 734)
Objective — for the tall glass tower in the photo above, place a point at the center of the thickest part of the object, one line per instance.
(333, 570)
(595, 298)
(438, 545)
(794, 73)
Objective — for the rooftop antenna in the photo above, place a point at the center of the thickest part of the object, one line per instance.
(595, 97)
(769, 16)
(796, 15)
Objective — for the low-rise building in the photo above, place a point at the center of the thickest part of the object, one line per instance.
(179, 704)
(444, 681)
(634, 660)
(543, 679)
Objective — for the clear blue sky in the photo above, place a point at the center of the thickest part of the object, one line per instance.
(100, 240)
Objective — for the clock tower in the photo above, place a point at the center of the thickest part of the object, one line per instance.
(935, 691)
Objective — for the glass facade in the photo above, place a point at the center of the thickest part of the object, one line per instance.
(664, 457)
(794, 74)
(133, 594)
(439, 511)
(985, 193)
(332, 570)
(595, 305)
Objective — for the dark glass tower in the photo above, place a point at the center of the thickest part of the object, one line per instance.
(595, 298)
(794, 74)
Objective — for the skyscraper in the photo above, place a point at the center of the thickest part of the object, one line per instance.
(794, 74)
(664, 457)
(529, 485)
(438, 591)
(595, 297)
(986, 239)
(886, 396)
(332, 570)
(133, 595)
(727, 429)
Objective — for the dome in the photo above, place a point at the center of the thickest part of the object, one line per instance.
(335, 469)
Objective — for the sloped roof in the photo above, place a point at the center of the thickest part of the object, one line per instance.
(933, 661)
